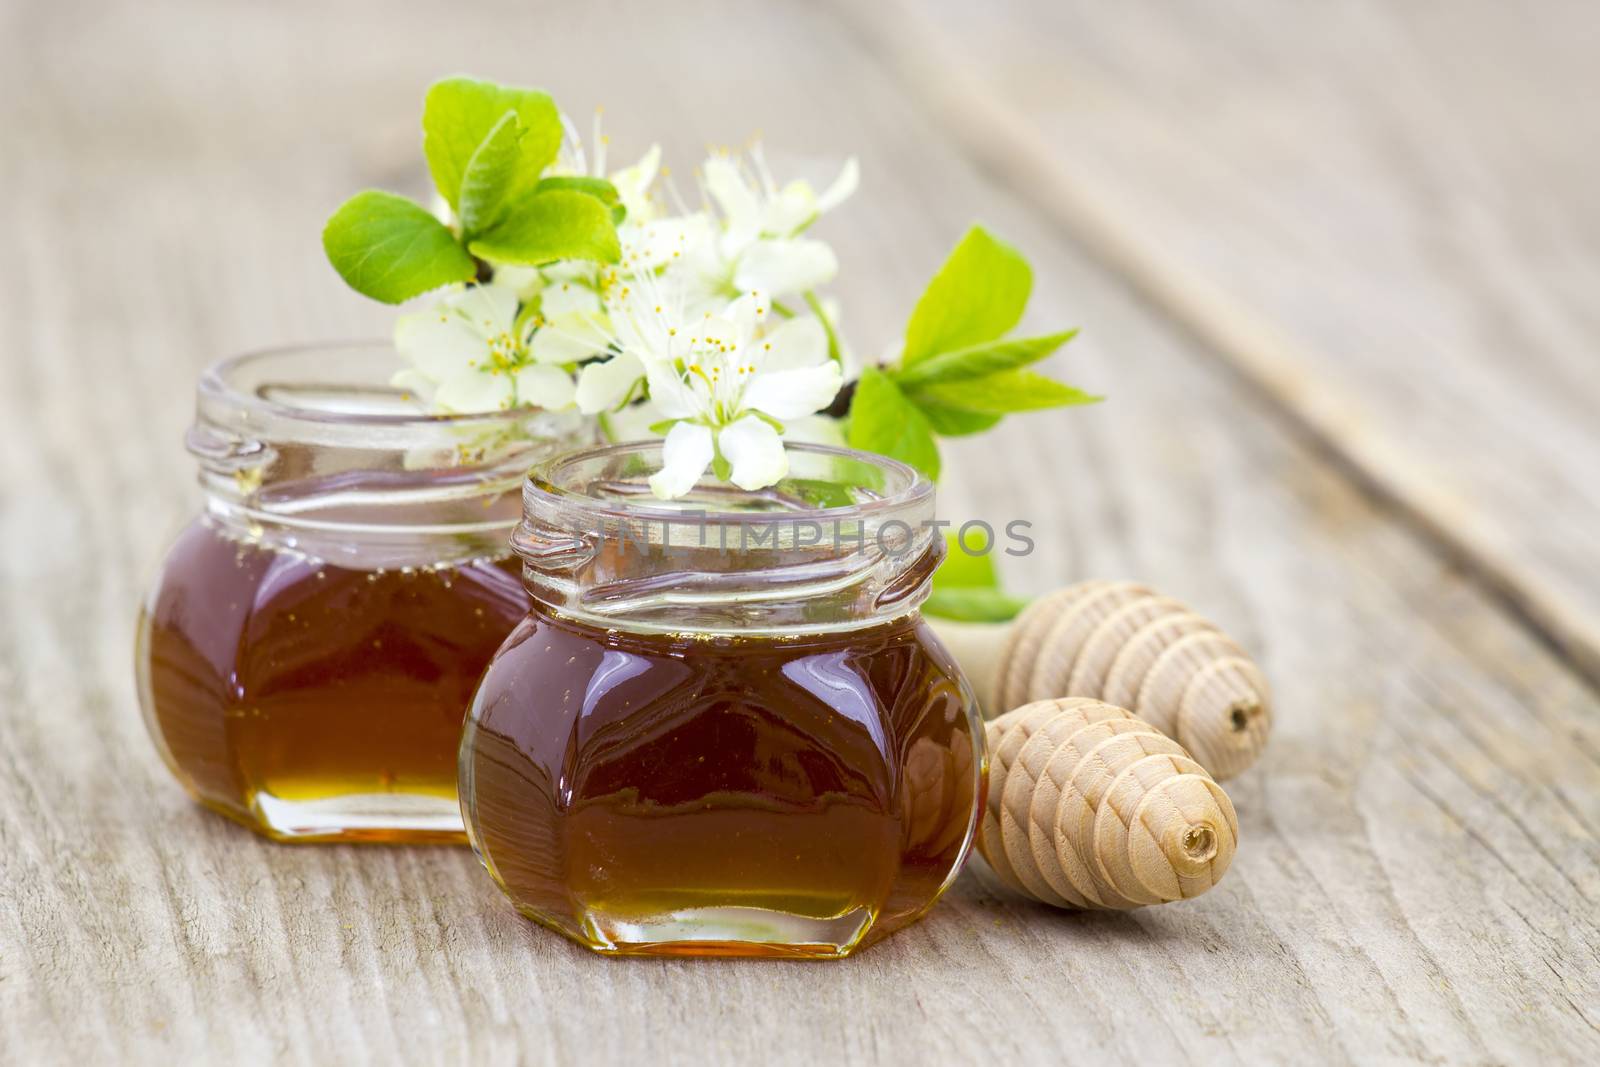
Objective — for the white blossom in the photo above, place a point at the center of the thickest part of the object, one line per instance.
(683, 334)
(755, 242)
(726, 381)
(469, 354)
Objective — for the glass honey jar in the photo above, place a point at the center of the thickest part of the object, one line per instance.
(723, 728)
(313, 638)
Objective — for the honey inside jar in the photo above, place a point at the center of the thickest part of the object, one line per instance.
(317, 701)
(821, 785)
(309, 647)
(730, 735)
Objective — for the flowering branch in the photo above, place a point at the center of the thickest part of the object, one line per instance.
(573, 287)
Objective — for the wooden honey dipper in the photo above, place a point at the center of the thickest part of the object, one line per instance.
(1090, 807)
(1131, 647)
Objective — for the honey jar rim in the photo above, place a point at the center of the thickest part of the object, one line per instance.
(542, 489)
(218, 382)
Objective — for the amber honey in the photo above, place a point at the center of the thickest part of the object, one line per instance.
(691, 793)
(314, 701)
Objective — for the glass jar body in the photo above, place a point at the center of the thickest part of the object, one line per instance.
(684, 794)
(308, 649)
(315, 701)
(692, 750)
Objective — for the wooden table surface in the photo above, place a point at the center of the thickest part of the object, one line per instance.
(1338, 272)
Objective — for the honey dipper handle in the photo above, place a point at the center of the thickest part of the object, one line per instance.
(976, 647)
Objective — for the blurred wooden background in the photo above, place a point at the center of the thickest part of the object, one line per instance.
(1338, 270)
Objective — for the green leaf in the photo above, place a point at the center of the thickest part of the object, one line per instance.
(821, 493)
(390, 249)
(882, 420)
(973, 605)
(560, 224)
(598, 188)
(953, 422)
(1008, 391)
(962, 570)
(967, 587)
(459, 113)
(490, 175)
(978, 295)
(979, 361)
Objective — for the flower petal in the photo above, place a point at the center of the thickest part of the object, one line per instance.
(685, 455)
(633, 185)
(715, 331)
(418, 385)
(569, 338)
(842, 188)
(670, 393)
(790, 210)
(438, 344)
(795, 343)
(816, 430)
(787, 266)
(602, 386)
(741, 207)
(748, 313)
(632, 423)
(490, 308)
(524, 281)
(756, 452)
(472, 391)
(568, 270)
(658, 242)
(639, 328)
(788, 394)
(566, 297)
(832, 313)
(439, 208)
(545, 387)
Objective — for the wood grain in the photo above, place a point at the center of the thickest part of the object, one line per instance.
(1418, 866)
(1377, 214)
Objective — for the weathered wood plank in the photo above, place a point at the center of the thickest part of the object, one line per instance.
(1380, 214)
(1419, 865)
